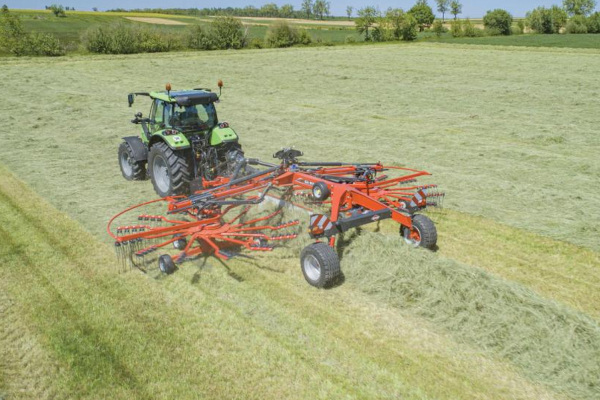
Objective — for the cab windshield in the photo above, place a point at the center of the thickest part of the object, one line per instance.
(190, 118)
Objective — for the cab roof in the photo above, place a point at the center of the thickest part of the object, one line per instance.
(186, 97)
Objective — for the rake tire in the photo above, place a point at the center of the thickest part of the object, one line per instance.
(132, 170)
(166, 264)
(427, 232)
(169, 170)
(320, 265)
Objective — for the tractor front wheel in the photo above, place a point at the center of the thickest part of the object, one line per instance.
(320, 265)
(132, 170)
(169, 170)
(422, 234)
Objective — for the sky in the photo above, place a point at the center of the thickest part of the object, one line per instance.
(471, 8)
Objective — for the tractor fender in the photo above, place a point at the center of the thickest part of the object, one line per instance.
(174, 141)
(140, 151)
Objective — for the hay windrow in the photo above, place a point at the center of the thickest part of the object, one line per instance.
(551, 343)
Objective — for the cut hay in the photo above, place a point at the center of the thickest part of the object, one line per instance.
(552, 344)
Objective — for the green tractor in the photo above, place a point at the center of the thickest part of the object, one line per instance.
(182, 142)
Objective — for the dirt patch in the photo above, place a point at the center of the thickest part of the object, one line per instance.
(157, 21)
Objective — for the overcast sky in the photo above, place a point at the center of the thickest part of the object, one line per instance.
(471, 8)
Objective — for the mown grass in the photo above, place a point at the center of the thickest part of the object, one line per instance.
(507, 139)
(203, 334)
(516, 144)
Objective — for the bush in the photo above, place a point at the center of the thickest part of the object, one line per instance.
(469, 30)
(438, 28)
(283, 35)
(198, 38)
(498, 22)
(256, 43)
(593, 23)
(410, 28)
(350, 39)
(456, 28)
(45, 44)
(14, 39)
(227, 33)
(577, 24)
(129, 39)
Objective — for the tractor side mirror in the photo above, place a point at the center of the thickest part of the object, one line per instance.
(130, 98)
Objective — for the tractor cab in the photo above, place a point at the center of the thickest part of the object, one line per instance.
(186, 111)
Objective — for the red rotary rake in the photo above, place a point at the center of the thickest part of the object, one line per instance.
(211, 221)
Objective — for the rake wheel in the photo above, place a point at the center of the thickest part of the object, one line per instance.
(320, 265)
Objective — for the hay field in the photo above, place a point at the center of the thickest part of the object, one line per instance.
(507, 308)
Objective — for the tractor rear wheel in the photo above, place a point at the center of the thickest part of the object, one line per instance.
(169, 170)
(132, 170)
(320, 265)
(422, 234)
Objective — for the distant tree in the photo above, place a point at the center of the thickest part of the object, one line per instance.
(443, 6)
(498, 21)
(94, 8)
(58, 10)
(593, 23)
(422, 13)
(5, 8)
(307, 6)
(321, 8)
(286, 11)
(455, 8)
(547, 20)
(349, 11)
(579, 7)
(365, 21)
(392, 22)
(270, 10)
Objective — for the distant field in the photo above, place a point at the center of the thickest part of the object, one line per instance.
(508, 306)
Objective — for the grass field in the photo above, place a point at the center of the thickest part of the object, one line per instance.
(508, 307)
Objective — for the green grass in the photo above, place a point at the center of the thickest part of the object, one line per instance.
(507, 133)
(589, 41)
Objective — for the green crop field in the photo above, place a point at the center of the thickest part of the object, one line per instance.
(588, 41)
(507, 307)
(70, 28)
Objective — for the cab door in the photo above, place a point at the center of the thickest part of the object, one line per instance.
(158, 116)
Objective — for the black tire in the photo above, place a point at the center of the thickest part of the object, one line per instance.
(169, 170)
(166, 264)
(427, 233)
(132, 170)
(320, 265)
(320, 191)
